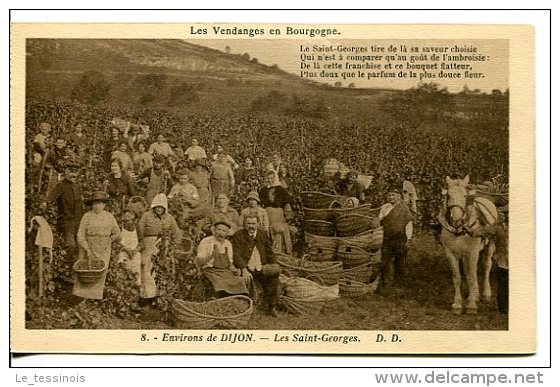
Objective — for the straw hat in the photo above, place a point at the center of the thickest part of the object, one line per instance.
(253, 195)
(98, 196)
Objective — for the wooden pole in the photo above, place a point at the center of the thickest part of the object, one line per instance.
(41, 279)
(43, 164)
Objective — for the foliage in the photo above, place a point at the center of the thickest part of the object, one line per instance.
(182, 94)
(93, 87)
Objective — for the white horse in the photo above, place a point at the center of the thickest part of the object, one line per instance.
(459, 219)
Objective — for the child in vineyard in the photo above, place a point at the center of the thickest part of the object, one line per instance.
(130, 253)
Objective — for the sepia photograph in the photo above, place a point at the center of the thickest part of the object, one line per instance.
(297, 188)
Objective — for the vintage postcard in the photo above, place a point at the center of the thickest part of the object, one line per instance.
(272, 189)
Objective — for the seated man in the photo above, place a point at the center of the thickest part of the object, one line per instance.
(215, 258)
(253, 254)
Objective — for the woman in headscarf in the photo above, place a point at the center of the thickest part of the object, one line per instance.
(155, 223)
(98, 228)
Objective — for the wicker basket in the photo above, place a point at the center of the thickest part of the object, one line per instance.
(320, 254)
(353, 256)
(302, 288)
(374, 212)
(301, 306)
(325, 273)
(185, 249)
(370, 240)
(89, 276)
(363, 210)
(189, 314)
(325, 214)
(350, 288)
(321, 241)
(315, 199)
(354, 224)
(319, 227)
(362, 273)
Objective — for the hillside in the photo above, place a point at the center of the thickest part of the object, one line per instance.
(218, 81)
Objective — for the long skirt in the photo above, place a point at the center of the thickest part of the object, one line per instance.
(279, 231)
(225, 280)
(148, 287)
(101, 247)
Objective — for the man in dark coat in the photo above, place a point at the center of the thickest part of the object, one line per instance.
(396, 219)
(67, 195)
(252, 254)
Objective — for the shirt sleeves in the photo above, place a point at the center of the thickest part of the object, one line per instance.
(81, 236)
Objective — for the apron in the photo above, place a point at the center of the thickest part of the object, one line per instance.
(279, 231)
(222, 277)
(129, 240)
(101, 247)
(148, 287)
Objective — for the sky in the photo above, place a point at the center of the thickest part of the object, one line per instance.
(287, 55)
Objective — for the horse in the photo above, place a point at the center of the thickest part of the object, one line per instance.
(459, 218)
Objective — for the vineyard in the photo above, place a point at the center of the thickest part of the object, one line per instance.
(391, 148)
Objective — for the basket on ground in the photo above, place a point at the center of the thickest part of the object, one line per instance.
(89, 271)
(362, 273)
(318, 253)
(325, 273)
(230, 312)
(315, 199)
(354, 224)
(319, 227)
(349, 288)
(302, 288)
(352, 256)
(301, 306)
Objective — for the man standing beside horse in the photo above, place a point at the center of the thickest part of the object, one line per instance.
(396, 219)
